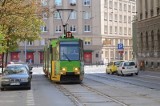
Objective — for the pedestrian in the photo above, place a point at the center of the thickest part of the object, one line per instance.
(142, 65)
(30, 61)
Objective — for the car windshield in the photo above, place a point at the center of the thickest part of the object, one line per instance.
(129, 64)
(117, 63)
(15, 70)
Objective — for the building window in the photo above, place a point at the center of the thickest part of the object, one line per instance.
(87, 15)
(44, 2)
(87, 41)
(129, 31)
(125, 7)
(72, 1)
(141, 41)
(133, 9)
(105, 29)
(120, 6)
(129, 19)
(44, 29)
(129, 8)
(57, 15)
(110, 29)
(29, 43)
(58, 29)
(147, 45)
(110, 16)
(73, 28)
(44, 15)
(97, 55)
(158, 36)
(116, 29)
(110, 4)
(125, 30)
(105, 3)
(73, 15)
(86, 2)
(120, 18)
(58, 2)
(152, 37)
(87, 28)
(125, 19)
(115, 5)
(115, 17)
(42, 42)
(120, 30)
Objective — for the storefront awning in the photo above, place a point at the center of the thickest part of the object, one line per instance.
(41, 51)
(16, 51)
(88, 50)
(29, 51)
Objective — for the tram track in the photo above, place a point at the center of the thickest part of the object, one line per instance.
(105, 95)
(74, 97)
(146, 96)
(128, 82)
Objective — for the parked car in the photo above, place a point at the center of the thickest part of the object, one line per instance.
(15, 76)
(29, 68)
(112, 66)
(127, 67)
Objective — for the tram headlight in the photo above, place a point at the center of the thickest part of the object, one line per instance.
(76, 70)
(63, 70)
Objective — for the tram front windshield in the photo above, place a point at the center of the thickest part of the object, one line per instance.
(69, 51)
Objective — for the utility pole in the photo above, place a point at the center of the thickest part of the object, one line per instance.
(25, 52)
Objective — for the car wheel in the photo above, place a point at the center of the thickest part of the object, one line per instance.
(136, 73)
(29, 87)
(2, 89)
(107, 72)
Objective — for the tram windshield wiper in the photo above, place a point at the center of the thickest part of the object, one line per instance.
(66, 57)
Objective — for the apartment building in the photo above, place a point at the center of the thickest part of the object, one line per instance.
(116, 31)
(148, 33)
(101, 24)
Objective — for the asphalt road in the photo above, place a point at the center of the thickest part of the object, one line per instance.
(97, 89)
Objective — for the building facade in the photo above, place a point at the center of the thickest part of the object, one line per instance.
(148, 33)
(101, 24)
(117, 16)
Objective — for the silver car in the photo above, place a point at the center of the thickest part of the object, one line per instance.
(127, 67)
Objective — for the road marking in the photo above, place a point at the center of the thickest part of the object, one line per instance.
(30, 98)
(153, 76)
(6, 101)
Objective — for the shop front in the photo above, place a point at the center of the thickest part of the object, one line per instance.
(30, 57)
(88, 57)
(14, 56)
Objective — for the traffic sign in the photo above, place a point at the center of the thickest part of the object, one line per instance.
(120, 46)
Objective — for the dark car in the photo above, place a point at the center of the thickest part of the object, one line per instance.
(29, 68)
(16, 76)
